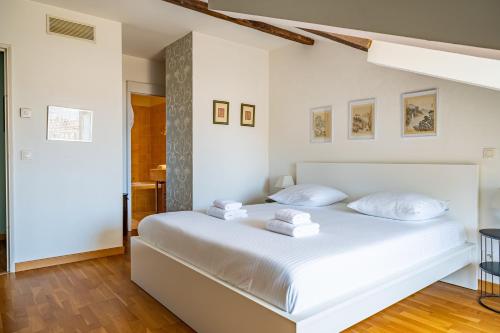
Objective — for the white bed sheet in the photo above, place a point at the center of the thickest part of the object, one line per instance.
(351, 252)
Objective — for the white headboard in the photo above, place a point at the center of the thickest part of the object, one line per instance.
(458, 183)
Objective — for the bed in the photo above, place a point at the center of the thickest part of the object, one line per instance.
(221, 276)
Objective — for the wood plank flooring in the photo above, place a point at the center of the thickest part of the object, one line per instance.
(98, 296)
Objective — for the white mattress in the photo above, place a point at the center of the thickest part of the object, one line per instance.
(352, 251)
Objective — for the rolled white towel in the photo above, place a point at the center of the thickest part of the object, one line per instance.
(302, 230)
(292, 216)
(226, 214)
(227, 204)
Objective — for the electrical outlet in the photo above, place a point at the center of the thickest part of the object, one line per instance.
(489, 153)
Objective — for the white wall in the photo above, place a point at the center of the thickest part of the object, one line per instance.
(143, 70)
(138, 70)
(332, 74)
(68, 198)
(229, 161)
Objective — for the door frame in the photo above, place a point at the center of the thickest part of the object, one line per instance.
(9, 152)
(139, 88)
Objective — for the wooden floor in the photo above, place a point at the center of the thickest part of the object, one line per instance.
(98, 296)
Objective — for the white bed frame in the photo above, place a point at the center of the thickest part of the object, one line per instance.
(210, 305)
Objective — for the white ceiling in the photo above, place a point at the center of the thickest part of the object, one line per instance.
(447, 47)
(150, 25)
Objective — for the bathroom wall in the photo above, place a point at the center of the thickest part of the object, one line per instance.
(158, 134)
(143, 71)
(148, 135)
(148, 150)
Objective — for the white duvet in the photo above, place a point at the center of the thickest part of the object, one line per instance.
(352, 251)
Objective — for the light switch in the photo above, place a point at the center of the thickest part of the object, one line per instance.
(26, 155)
(26, 113)
(489, 153)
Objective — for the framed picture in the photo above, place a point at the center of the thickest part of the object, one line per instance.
(362, 119)
(247, 115)
(67, 124)
(321, 124)
(221, 112)
(419, 113)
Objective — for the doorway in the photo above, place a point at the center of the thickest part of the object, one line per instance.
(3, 169)
(148, 156)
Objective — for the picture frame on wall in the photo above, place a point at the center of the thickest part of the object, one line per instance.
(419, 113)
(221, 112)
(247, 115)
(362, 119)
(321, 124)
(69, 124)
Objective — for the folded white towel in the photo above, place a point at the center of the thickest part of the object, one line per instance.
(292, 216)
(302, 230)
(226, 214)
(227, 204)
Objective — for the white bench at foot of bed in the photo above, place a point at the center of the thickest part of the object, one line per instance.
(210, 305)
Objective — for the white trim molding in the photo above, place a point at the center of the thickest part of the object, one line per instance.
(9, 150)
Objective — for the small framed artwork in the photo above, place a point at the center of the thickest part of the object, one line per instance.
(321, 124)
(247, 115)
(68, 124)
(362, 119)
(221, 112)
(419, 113)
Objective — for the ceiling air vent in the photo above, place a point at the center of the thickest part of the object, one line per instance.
(70, 29)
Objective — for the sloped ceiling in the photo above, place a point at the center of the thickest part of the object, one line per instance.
(461, 26)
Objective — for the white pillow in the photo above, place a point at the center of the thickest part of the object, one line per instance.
(400, 206)
(308, 195)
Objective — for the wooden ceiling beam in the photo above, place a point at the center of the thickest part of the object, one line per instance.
(202, 7)
(356, 42)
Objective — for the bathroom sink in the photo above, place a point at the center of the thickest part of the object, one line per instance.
(158, 174)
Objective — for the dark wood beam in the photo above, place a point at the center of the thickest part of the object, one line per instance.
(464, 22)
(356, 42)
(202, 7)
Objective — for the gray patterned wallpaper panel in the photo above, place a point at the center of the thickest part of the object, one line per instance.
(179, 95)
